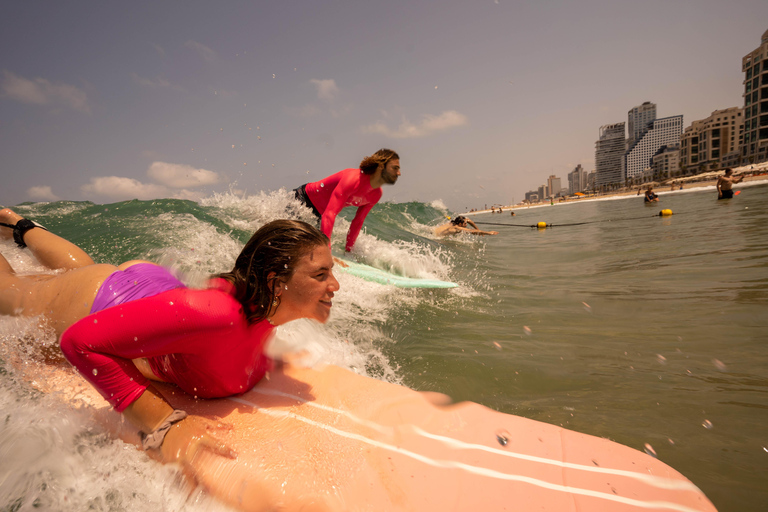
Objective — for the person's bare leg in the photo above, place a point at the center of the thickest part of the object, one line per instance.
(51, 250)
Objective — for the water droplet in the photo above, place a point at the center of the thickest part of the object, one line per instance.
(502, 436)
(707, 424)
(95, 371)
(322, 184)
(649, 450)
(95, 321)
(719, 365)
(286, 265)
(171, 303)
(497, 345)
(661, 359)
(527, 330)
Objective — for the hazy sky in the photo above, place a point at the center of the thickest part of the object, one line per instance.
(106, 101)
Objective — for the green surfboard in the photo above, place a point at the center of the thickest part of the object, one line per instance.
(377, 275)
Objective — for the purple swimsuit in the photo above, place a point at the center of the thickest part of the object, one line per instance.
(136, 282)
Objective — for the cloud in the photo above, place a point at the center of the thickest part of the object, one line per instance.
(159, 49)
(42, 92)
(430, 124)
(205, 53)
(305, 111)
(326, 89)
(154, 84)
(123, 188)
(42, 193)
(119, 188)
(181, 176)
(172, 181)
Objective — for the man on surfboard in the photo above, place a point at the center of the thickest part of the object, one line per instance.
(360, 188)
(725, 184)
(459, 225)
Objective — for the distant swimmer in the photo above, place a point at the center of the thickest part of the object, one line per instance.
(650, 196)
(725, 184)
(459, 225)
(360, 188)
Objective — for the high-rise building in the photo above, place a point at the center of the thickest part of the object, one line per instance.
(755, 68)
(553, 185)
(609, 152)
(577, 180)
(639, 120)
(709, 143)
(665, 163)
(663, 132)
(543, 192)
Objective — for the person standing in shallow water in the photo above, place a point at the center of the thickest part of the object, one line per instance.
(725, 184)
(360, 188)
(124, 326)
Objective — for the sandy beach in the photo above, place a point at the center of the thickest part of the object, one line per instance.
(689, 184)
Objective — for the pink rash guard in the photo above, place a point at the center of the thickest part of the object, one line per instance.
(350, 187)
(199, 340)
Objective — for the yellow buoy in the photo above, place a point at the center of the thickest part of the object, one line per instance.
(541, 225)
(665, 213)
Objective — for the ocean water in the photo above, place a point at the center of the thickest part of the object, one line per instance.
(650, 331)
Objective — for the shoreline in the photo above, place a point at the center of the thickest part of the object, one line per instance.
(696, 186)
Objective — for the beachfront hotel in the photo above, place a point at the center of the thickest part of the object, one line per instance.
(755, 68)
(609, 153)
(553, 185)
(712, 143)
(665, 163)
(663, 132)
(577, 180)
(639, 120)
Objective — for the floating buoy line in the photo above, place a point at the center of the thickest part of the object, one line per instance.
(544, 225)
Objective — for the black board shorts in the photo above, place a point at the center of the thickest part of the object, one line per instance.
(726, 194)
(303, 198)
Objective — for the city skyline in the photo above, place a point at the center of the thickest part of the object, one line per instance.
(108, 102)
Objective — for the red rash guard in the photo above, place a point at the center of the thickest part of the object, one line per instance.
(199, 340)
(350, 187)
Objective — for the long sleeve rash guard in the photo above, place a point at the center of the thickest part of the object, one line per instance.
(199, 340)
(350, 187)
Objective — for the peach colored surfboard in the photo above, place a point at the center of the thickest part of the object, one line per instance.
(326, 439)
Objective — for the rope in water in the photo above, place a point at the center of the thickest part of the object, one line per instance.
(570, 224)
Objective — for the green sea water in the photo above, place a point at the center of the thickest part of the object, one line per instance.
(650, 331)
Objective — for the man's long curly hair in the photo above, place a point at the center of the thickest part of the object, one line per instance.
(370, 164)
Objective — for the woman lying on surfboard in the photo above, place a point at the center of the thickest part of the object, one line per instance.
(121, 326)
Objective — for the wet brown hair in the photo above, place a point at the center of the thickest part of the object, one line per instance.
(379, 158)
(276, 247)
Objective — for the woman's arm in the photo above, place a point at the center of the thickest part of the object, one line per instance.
(102, 345)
